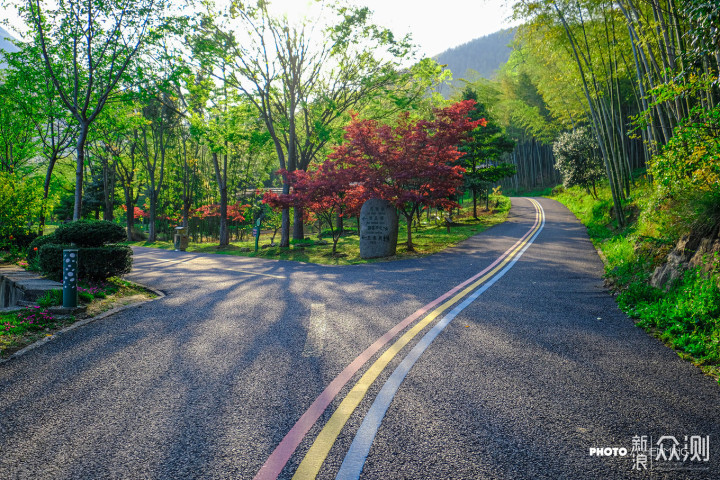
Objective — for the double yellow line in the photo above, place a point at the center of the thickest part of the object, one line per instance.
(313, 460)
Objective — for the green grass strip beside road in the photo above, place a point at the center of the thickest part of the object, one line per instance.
(428, 239)
(686, 317)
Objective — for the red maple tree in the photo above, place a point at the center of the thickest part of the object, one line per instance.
(137, 212)
(235, 212)
(409, 164)
(329, 191)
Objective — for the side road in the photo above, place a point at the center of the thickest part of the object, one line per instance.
(523, 382)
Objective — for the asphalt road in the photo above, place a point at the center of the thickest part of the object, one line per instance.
(206, 382)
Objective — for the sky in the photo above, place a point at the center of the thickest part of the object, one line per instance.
(434, 26)
(438, 25)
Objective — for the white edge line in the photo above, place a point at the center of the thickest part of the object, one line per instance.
(354, 460)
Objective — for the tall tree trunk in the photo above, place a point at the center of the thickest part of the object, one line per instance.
(298, 225)
(152, 197)
(46, 192)
(108, 192)
(474, 194)
(186, 187)
(408, 220)
(79, 169)
(285, 228)
(339, 224)
(130, 206)
(224, 234)
(221, 177)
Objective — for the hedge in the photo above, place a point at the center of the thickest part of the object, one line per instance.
(90, 233)
(94, 263)
(34, 247)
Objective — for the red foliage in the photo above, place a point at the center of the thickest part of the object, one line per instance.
(410, 165)
(138, 213)
(235, 213)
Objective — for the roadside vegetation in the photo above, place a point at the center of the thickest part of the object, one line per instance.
(19, 328)
(684, 313)
(171, 120)
(99, 286)
(431, 235)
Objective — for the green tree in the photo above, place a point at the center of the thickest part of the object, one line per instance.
(483, 146)
(302, 78)
(34, 97)
(20, 205)
(87, 47)
(17, 136)
(578, 159)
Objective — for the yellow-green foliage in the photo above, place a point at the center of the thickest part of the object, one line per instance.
(691, 159)
(20, 204)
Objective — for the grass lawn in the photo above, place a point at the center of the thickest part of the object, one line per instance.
(19, 328)
(427, 239)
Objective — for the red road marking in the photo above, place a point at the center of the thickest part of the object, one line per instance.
(282, 453)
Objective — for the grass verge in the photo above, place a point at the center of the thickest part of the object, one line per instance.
(686, 316)
(428, 238)
(22, 327)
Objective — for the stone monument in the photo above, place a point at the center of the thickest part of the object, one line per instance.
(378, 229)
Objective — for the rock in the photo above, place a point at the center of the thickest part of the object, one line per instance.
(674, 267)
(378, 229)
(690, 252)
(706, 251)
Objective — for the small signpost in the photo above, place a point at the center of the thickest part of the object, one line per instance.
(256, 230)
(70, 274)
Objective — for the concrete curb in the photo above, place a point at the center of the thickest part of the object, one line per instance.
(84, 322)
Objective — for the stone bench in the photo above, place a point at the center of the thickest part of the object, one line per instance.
(19, 287)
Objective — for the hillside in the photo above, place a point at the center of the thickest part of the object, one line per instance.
(483, 55)
(5, 45)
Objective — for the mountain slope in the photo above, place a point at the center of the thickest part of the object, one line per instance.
(6, 44)
(484, 55)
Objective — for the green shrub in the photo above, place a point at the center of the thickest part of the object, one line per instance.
(50, 299)
(34, 247)
(94, 263)
(557, 190)
(577, 157)
(85, 297)
(637, 293)
(21, 201)
(89, 233)
(688, 316)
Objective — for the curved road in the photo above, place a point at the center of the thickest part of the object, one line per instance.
(531, 370)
